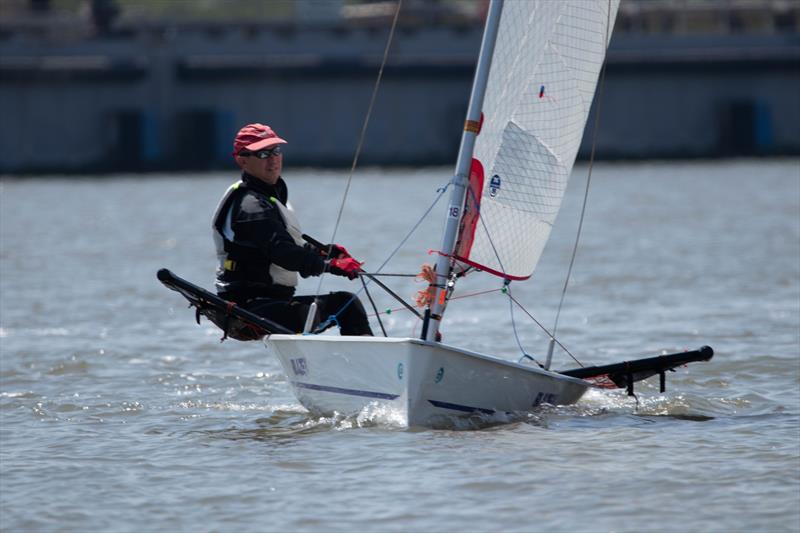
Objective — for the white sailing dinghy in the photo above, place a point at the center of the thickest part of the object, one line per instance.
(535, 80)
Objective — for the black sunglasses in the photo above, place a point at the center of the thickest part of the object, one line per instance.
(263, 154)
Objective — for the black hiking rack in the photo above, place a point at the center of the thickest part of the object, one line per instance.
(624, 375)
(235, 322)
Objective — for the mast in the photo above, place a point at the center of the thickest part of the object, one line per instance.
(433, 315)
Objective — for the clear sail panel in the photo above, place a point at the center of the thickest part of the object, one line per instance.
(543, 77)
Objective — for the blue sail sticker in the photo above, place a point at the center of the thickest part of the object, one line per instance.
(494, 186)
(541, 91)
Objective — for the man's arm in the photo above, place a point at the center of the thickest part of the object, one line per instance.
(259, 222)
(287, 254)
(269, 234)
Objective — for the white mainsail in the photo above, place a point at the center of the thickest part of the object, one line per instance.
(545, 67)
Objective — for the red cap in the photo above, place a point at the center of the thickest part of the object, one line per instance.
(254, 137)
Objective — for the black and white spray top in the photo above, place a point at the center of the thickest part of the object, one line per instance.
(259, 244)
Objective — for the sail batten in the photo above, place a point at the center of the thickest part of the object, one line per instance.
(544, 72)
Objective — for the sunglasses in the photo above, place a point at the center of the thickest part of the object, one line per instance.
(263, 154)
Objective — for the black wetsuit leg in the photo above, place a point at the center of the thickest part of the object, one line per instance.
(345, 306)
(291, 315)
(351, 316)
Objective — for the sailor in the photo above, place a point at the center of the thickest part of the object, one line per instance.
(261, 250)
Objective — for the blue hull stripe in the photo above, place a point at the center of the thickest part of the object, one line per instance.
(351, 392)
(458, 407)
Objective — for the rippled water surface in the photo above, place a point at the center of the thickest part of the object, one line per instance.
(118, 412)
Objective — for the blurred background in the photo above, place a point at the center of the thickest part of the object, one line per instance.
(152, 85)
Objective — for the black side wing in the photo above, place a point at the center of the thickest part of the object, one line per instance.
(624, 375)
(234, 321)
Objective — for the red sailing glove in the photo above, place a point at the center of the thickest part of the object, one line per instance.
(347, 267)
(337, 251)
(332, 251)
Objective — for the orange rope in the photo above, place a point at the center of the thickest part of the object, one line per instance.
(424, 297)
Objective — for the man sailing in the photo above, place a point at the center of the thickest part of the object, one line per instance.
(261, 250)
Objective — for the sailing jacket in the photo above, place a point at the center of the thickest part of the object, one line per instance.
(259, 244)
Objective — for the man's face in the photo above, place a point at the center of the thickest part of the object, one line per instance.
(265, 164)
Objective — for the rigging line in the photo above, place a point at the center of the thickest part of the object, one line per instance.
(507, 283)
(427, 212)
(488, 235)
(514, 327)
(544, 329)
(371, 301)
(390, 311)
(595, 127)
(441, 191)
(475, 294)
(381, 274)
(507, 287)
(364, 130)
(392, 294)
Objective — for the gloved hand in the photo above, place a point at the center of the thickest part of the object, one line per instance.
(347, 267)
(329, 251)
(337, 251)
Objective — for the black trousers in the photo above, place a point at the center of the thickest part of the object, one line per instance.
(350, 314)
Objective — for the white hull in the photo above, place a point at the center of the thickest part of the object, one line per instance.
(425, 383)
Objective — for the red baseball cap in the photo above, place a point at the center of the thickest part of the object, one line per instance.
(254, 137)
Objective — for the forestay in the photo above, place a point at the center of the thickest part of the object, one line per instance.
(545, 67)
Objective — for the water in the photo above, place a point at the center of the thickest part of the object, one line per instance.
(118, 413)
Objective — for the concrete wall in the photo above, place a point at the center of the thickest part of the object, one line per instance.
(170, 97)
